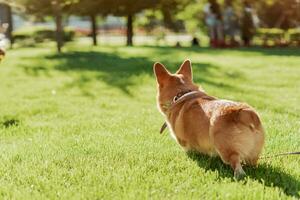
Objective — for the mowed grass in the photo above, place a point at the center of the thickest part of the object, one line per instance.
(84, 124)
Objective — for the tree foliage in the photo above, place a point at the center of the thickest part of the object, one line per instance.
(43, 8)
(177, 14)
(129, 7)
(279, 14)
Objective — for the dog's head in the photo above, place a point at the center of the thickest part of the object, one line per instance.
(170, 85)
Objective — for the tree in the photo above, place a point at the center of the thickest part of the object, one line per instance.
(176, 15)
(91, 9)
(57, 11)
(6, 17)
(280, 14)
(170, 10)
(128, 8)
(54, 8)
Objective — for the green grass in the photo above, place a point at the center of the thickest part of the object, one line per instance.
(84, 124)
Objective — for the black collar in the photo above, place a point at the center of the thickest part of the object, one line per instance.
(180, 94)
(185, 96)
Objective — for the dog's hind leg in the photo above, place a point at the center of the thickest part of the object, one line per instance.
(235, 141)
(235, 163)
(234, 160)
(231, 148)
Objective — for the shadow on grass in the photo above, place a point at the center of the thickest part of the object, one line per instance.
(109, 67)
(8, 121)
(120, 72)
(36, 71)
(270, 176)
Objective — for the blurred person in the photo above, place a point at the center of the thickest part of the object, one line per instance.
(195, 41)
(3, 40)
(231, 24)
(213, 19)
(248, 24)
(178, 45)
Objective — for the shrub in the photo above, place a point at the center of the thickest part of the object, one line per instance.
(279, 37)
(271, 33)
(272, 37)
(69, 34)
(294, 34)
(40, 34)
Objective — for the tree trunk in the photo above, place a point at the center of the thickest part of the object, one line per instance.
(129, 29)
(94, 29)
(6, 18)
(10, 27)
(59, 26)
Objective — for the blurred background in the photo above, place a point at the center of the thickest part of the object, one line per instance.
(219, 24)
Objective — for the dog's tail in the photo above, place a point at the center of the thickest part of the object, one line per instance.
(249, 117)
(245, 115)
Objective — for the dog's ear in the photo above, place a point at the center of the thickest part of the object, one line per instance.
(186, 69)
(161, 73)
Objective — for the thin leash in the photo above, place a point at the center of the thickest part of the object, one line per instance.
(281, 154)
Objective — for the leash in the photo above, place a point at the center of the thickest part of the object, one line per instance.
(188, 95)
(281, 154)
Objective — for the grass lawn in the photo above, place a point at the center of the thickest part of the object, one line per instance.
(84, 124)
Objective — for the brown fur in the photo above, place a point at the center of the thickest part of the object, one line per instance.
(229, 129)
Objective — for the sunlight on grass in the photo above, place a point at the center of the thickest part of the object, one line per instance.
(97, 135)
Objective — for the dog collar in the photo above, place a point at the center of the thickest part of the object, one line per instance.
(183, 97)
(175, 98)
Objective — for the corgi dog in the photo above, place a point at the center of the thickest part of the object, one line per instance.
(206, 124)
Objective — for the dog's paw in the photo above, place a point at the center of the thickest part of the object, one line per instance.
(239, 174)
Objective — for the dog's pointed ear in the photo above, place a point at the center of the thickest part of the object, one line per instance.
(186, 69)
(161, 73)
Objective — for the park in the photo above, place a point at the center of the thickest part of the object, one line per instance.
(79, 117)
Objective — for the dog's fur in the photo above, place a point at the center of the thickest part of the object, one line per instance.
(229, 129)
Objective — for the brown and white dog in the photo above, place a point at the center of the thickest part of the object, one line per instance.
(206, 124)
